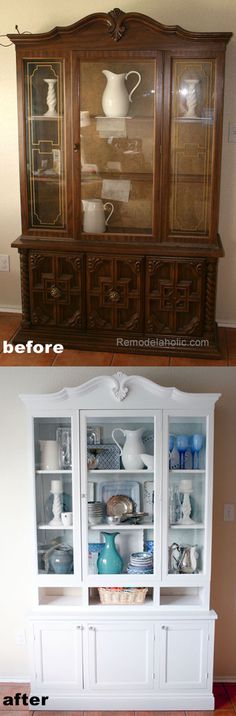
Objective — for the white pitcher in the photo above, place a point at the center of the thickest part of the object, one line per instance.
(115, 98)
(94, 216)
(133, 446)
(49, 455)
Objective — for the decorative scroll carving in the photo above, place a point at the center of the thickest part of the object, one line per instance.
(75, 320)
(210, 297)
(75, 262)
(116, 25)
(25, 294)
(153, 265)
(120, 390)
(36, 259)
(93, 263)
(94, 321)
(135, 265)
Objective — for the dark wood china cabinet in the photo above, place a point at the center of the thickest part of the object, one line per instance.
(120, 123)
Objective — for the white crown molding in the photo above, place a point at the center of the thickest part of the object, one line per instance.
(120, 386)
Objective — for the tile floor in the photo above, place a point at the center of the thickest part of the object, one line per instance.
(225, 704)
(9, 323)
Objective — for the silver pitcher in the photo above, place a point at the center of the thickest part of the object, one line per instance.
(188, 559)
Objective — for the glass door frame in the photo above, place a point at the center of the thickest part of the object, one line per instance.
(191, 55)
(63, 56)
(58, 580)
(204, 577)
(116, 55)
(122, 579)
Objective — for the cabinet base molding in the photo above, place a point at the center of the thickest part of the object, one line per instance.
(131, 703)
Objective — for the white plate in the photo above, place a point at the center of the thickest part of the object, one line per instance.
(105, 490)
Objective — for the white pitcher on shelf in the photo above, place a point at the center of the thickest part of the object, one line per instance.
(115, 98)
(132, 448)
(95, 221)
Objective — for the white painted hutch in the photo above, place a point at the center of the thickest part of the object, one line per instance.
(156, 655)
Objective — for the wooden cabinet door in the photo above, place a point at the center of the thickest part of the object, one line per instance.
(120, 657)
(56, 284)
(183, 655)
(58, 656)
(114, 292)
(175, 296)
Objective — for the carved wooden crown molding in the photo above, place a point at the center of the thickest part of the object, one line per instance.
(117, 27)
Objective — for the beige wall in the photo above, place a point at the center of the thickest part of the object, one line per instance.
(15, 537)
(202, 15)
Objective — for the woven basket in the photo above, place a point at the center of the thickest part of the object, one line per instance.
(110, 595)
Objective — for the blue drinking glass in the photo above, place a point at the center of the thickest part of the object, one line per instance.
(192, 449)
(197, 441)
(182, 444)
(171, 448)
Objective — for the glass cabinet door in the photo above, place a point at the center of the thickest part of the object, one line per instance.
(54, 496)
(122, 500)
(45, 144)
(191, 152)
(117, 136)
(186, 495)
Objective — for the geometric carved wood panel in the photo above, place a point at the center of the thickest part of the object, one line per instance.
(175, 296)
(56, 289)
(114, 286)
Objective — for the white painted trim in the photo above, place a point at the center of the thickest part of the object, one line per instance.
(226, 323)
(11, 309)
(132, 389)
(163, 702)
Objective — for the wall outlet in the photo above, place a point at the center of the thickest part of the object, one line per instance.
(4, 262)
(20, 637)
(229, 513)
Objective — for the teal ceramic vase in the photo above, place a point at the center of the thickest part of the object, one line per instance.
(109, 560)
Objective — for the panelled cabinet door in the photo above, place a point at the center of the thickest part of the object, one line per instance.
(56, 289)
(58, 656)
(114, 292)
(183, 655)
(174, 296)
(120, 657)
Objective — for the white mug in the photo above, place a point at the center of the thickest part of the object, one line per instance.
(67, 518)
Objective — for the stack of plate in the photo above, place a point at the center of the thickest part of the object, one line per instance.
(95, 513)
(140, 563)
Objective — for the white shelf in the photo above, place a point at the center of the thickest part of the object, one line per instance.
(53, 472)
(196, 526)
(186, 471)
(50, 527)
(108, 528)
(121, 472)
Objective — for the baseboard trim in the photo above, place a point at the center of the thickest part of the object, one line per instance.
(224, 323)
(22, 679)
(10, 309)
(226, 679)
